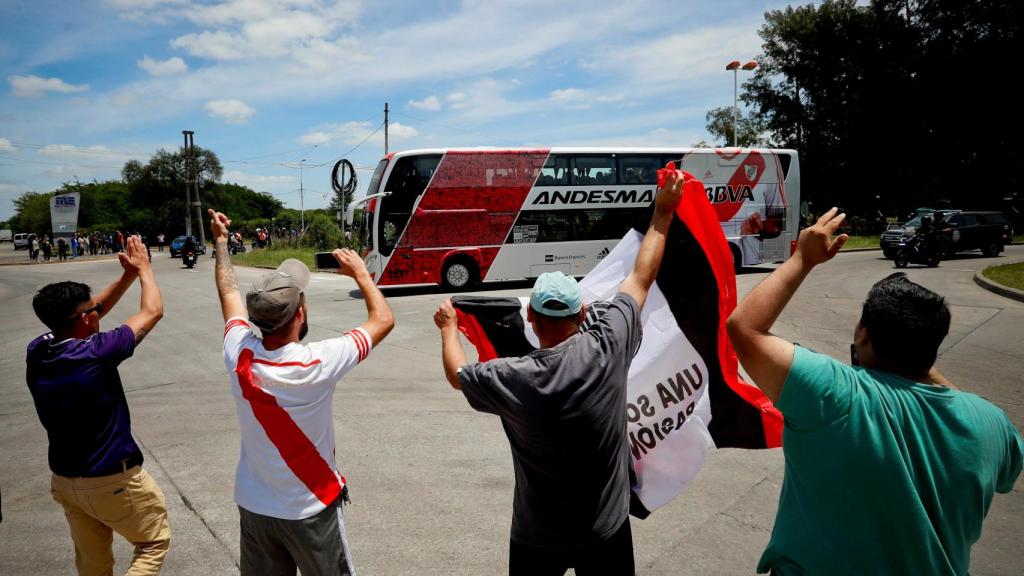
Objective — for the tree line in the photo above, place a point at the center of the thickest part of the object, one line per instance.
(150, 198)
(892, 105)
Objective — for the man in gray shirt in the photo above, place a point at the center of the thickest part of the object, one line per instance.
(563, 408)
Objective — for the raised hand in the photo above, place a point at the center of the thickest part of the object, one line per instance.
(219, 223)
(671, 191)
(816, 245)
(349, 263)
(445, 315)
(134, 258)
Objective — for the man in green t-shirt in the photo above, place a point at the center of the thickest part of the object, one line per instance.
(889, 468)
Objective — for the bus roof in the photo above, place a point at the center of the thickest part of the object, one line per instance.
(588, 150)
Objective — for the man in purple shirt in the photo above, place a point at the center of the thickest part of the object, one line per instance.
(96, 464)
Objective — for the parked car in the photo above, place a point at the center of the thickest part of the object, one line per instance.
(21, 241)
(178, 242)
(961, 230)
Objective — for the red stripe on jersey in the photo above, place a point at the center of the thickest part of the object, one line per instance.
(361, 343)
(233, 323)
(297, 451)
(300, 364)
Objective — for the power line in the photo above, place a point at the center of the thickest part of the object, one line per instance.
(351, 150)
(57, 163)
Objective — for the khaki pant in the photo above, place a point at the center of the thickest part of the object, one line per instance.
(129, 503)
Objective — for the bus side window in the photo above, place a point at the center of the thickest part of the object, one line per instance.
(555, 172)
(594, 170)
(639, 169)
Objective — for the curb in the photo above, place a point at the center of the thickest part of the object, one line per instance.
(68, 261)
(997, 288)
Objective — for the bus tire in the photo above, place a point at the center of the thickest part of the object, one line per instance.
(459, 274)
(737, 258)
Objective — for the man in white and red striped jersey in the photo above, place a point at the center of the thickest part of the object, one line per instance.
(287, 485)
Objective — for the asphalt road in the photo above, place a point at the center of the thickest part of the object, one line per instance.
(431, 478)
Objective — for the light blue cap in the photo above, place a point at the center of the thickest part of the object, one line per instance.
(555, 294)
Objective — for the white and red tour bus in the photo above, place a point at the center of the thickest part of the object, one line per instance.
(456, 217)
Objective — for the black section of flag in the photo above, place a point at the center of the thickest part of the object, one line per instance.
(692, 291)
(501, 320)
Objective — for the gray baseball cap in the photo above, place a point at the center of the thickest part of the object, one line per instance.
(275, 296)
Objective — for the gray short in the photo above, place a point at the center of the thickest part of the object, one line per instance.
(317, 545)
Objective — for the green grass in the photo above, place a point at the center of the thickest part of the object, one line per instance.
(861, 242)
(274, 256)
(1018, 239)
(1011, 275)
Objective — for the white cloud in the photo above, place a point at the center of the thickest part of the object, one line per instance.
(167, 67)
(70, 151)
(429, 103)
(141, 4)
(679, 61)
(583, 98)
(35, 86)
(5, 145)
(301, 30)
(456, 100)
(353, 133)
(261, 182)
(231, 111)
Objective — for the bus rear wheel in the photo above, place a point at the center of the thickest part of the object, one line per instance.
(737, 258)
(459, 274)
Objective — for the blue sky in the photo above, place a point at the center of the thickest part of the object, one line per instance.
(88, 85)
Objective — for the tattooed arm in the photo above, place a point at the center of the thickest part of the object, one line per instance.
(227, 286)
(151, 308)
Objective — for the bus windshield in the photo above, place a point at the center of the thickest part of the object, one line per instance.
(407, 181)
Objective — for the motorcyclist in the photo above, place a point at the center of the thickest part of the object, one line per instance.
(189, 246)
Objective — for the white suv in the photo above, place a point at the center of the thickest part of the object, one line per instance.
(21, 241)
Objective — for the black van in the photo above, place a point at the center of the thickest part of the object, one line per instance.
(989, 232)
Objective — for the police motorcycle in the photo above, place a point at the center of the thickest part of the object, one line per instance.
(189, 253)
(923, 246)
(189, 258)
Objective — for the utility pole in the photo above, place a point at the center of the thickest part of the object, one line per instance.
(185, 149)
(195, 186)
(385, 128)
(302, 202)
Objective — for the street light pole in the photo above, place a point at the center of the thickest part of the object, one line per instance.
(735, 67)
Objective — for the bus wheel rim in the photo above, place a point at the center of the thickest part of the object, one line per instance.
(458, 275)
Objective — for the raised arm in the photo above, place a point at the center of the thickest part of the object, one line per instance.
(766, 357)
(224, 273)
(111, 294)
(648, 259)
(151, 307)
(380, 320)
(452, 355)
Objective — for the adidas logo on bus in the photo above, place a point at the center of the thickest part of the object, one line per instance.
(602, 253)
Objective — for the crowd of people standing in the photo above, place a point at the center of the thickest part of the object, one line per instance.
(42, 247)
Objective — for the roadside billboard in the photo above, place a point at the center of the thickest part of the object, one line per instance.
(64, 214)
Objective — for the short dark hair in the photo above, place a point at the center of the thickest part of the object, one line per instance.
(906, 323)
(55, 304)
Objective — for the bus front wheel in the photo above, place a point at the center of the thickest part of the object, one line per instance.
(459, 274)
